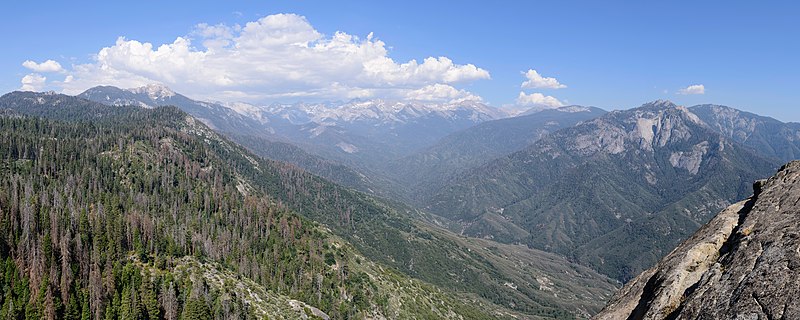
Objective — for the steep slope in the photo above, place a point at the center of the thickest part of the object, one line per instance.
(770, 137)
(428, 170)
(742, 264)
(615, 192)
(133, 138)
(243, 123)
(287, 152)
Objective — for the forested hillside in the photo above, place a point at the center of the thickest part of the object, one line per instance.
(96, 217)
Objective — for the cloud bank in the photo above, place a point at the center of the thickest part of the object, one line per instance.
(538, 100)
(33, 82)
(536, 81)
(693, 89)
(441, 92)
(47, 66)
(276, 58)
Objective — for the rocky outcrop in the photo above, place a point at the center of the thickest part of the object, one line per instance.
(743, 264)
(770, 137)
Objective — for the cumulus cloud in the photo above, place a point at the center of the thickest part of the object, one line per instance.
(277, 57)
(693, 89)
(440, 93)
(536, 81)
(538, 100)
(47, 66)
(33, 82)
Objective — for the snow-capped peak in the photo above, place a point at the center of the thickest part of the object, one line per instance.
(384, 111)
(573, 109)
(247, 110)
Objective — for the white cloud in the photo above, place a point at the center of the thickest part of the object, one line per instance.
(536, 81)
(277, 57)
(441, 92)
(693, 89)
(538, 100)
(47, 66)
(33, 82)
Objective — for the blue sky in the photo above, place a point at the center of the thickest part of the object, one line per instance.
(608, 54)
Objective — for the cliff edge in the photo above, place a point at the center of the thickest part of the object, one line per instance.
(743, 264)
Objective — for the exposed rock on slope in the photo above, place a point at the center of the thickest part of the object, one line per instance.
(743, 264)
(772, 138)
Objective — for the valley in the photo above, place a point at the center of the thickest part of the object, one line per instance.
(415, 160)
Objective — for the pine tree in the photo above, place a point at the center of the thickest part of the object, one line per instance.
(196, 309)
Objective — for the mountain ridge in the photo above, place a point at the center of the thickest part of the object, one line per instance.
(770, 137)
(627, 175)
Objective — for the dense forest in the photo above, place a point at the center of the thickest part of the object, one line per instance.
(82, 204)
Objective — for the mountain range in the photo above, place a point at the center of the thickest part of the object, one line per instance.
(527, 216)
(616, 192)
(495, 154)
(346, 142)
(340, 130)
(178, 200)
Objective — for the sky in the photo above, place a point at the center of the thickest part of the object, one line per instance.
(520, 54)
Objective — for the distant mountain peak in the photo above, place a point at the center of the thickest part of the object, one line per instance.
(658, 110)
(652, 125)
(660, 104)
(155, 91)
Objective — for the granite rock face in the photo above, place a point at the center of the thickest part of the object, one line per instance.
(743, 264)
